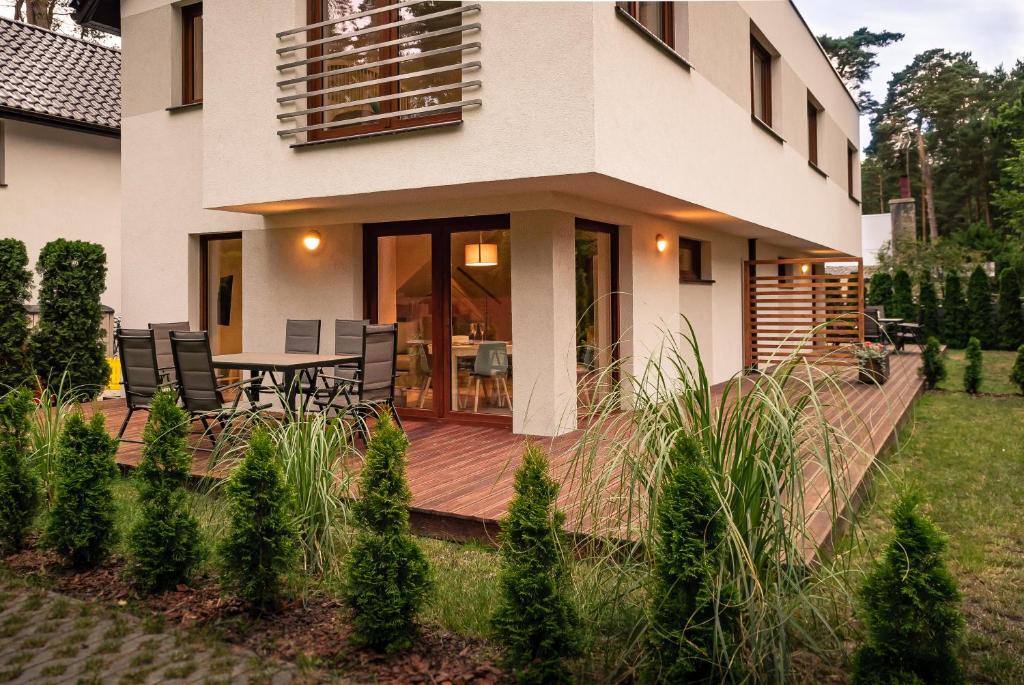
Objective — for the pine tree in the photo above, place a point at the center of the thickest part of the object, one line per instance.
(972, 373)
(19, 487)
(880, 291)
(911, 608)
(81, 525)
(954, 312)
(683, 603)
(979, 307)
(1009, 321)
(15, 283)
(933, 368)
(535, 621)
(903, 297)
(164, 545)
(928, 312)
(387, 576)
(260, 548)
(1017, 373)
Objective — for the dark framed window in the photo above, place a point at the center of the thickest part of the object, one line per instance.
(851, 168)
(409, 40)
(689, 260)
(760, 82)
(812, 133)
(656, 17)
(3, 161)
(192, 54)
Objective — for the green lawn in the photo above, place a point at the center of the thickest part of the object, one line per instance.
(995, 366)
(965, 455)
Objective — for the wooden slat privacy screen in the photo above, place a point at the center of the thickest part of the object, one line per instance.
(786, 311)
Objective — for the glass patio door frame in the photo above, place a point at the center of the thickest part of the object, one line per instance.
(204, 273)
(613, 234)
(440, 232)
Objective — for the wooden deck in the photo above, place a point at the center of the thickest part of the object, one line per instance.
(461, 475)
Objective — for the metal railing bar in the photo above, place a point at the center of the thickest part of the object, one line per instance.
(378, 117)
(373, 82)
(369, 65)
(392, 96)
(375, 29)
(348, 17)
(397, 41)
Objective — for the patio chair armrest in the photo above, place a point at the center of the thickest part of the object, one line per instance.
(238, 384)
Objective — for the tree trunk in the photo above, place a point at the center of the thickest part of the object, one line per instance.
(40, 12)
(929, 191)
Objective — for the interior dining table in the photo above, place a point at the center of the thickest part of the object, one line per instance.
(290, 365)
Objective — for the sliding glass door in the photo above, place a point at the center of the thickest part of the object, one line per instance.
(220, 309)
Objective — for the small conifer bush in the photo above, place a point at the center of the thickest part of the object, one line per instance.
(933, 368)
(164, 545)
(880, 291)
(19, 486)
(260, 548)
(911, 608)
(81, 524)
(979, 307)
(903, 297)
(928, 311)
(15, 285)
(682, 605)
(972, 373)
(1009, 321)
(535, 620)
(387, 575)
(1017, 373)
(954, 312)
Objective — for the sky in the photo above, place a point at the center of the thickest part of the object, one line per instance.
(991, 30)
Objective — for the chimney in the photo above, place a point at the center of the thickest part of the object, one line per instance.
(903, 215)
(904, 187)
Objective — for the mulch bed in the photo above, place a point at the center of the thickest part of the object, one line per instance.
(314, 631)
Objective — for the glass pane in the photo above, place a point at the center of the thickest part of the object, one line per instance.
(404, 296)
(481, 353)
(757, 75)
(197, 58)
(420, 46)
(594, 323)
(224, 295)
(342, 54)
(652, 17)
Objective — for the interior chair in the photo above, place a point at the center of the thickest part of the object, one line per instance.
(491, 364)
(140, 372)
(162, 339)
(425, 370)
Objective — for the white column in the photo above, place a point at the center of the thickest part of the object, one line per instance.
(543, 322)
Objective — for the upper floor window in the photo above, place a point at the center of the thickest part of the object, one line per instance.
(192, 54)
(656, 17)
(760, 82)
(851, 169)
(3, 178)
(369, 54)
(812, 133)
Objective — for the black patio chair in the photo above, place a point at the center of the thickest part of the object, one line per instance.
(373, 386)
(140, 372)
(301, 336)
(201, 393)
(873, 331)
(162, 340)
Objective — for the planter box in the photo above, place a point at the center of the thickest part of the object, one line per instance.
(874, 370)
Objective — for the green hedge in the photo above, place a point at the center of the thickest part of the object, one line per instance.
(15, 284)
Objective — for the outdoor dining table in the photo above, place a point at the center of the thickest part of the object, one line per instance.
(889, 325)
(288, 364)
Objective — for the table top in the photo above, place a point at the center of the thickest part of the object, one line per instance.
(886, 319)
(280, 361)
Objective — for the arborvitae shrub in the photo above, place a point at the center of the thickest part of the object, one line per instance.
(928, 310)
(880, 291)
(979, 307)
(972, 373)
(1017, 373)
(933, 368)
(387, 576)
(954, 312)
(19, 486)
(903, 297)
(1009, 322)
(164, 545)
(683, 606)
(910, 608)
(15, 283)
(260, 548)
(69, 336)
(535, 620)
(81, 525)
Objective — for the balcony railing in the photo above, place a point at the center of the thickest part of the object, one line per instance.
(397, 67)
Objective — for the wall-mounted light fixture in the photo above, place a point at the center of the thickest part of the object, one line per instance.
(311, 240)
(804, 268)
(661, 242)
(481, 253)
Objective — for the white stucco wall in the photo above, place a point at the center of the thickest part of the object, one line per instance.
(876, 229)
(63, 184)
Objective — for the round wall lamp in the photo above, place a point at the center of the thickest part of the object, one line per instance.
(661, 242)
(804, 268)
(311, 240)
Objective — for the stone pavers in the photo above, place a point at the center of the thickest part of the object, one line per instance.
(49, 638)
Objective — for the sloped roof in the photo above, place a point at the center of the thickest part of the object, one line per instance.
(51, 77)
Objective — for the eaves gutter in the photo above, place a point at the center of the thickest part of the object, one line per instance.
(16, 114)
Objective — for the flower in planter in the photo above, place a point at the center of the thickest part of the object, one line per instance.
(870, 350)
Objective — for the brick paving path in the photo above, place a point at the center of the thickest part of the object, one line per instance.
(49, 638)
